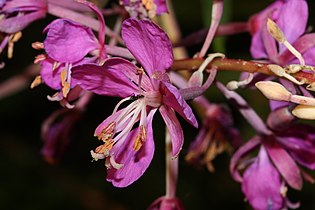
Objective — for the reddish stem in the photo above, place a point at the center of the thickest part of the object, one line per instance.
(226, 64)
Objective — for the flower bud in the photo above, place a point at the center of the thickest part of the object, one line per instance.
(304, 112)
(273, 90)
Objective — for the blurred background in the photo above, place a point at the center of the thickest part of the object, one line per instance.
(28, 182)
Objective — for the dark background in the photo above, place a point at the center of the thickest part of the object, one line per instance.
(28, 182)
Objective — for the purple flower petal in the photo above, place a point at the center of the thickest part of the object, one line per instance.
(2, 2)
(174, 128)
(52, 77)
(285, 164)
(258, 29)
(257, 48)
(160, 6)
(296, 14)
(304, 44)
(18, 23)
(68, 41)
(56, 132)
(241, 152)
(309, 56)
(299, 141)
(269, 43)
(109, 79)
(24, 5)
(149, 44)
(261, 184)
(135, 163)
(173, 99)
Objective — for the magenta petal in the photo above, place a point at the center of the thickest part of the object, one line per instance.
(68, 41)
(241, 152)
(135, 163)
(303, 45)
(2, 2)
(14, 5)
(149, 44)
(52, 77)
(295, 13)
(257, 25)
(299, 141)
(160, 6)
(269, 43)
(261, 184)
(173, 99)
(56, 133)
(309, 56)
(285, 164)
(257, 48)
(18, 23)
(109, 79)
(174, 128)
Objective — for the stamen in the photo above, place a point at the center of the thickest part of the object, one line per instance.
(119, 103)
(13, 38)
(127, 113)
(129, 126)
(140, 138)
(114, 163)
(97, 156)
(55, 97)
(55, 65)
(277, 34)
(38, 45)
(107, 132)
(37, 81)
(140, 72)
(279, 71)
(40, 58)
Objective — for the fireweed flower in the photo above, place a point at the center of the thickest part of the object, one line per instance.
(144, 8)
(280, 140)
(216, 135)
(56, 133)
(15, 15)
(64, 51)
(128, 151)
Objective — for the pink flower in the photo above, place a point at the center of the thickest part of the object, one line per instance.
(216, 135)
(69, 44)
(128, 151)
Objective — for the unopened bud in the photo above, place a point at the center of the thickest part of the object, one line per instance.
(273, 90)
(304, 112)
